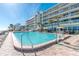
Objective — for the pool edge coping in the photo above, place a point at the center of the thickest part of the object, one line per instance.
(17, 45)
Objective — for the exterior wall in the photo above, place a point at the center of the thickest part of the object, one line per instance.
(67, 16)
(32, 23)
(63, 15)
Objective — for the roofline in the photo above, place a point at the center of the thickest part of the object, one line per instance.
(43, 11)
(30, 18)
(52, 7)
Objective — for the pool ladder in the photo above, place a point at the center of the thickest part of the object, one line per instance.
(31, 45)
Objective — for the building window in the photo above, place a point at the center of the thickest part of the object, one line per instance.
(75, 20)
(74, 6)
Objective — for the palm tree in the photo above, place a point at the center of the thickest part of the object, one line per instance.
(22, 28)
(11, 27)
(17, 26)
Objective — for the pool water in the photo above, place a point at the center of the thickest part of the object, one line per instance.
(34, 38)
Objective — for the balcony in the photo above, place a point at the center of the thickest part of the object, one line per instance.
(52, 11)
(53, 15)
(70, 24)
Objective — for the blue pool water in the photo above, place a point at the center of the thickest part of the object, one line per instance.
(35, 38)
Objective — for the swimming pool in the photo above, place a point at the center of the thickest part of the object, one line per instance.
(37, 39)
(34, 38)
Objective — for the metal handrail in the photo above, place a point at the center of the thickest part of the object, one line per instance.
(32, 46)
(22, 45)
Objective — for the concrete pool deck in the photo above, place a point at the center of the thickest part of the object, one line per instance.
(7, 49)
(37, 47)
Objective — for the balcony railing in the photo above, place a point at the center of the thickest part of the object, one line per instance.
(52, 11)
(53, 15)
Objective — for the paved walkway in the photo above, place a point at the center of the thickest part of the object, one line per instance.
(61, 50)
(7, 49)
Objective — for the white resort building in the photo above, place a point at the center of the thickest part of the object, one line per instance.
(64, 16)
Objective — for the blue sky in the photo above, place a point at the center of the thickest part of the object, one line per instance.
(12, 13)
